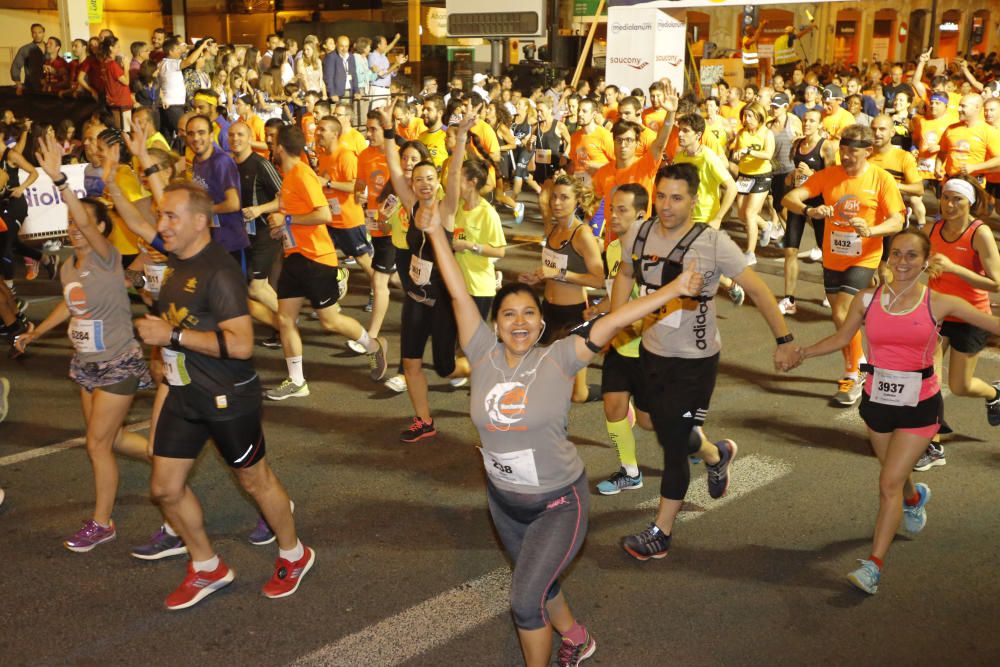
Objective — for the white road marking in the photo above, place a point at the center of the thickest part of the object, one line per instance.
(440, 619)
(60, 446)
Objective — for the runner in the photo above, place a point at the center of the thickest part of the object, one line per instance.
(107, 363)
(928, 131)
(902, 405)
(591, 146)
(753, 149)
(214, 392)
(538, 497)
(861, 203)
(970, 145)
(786, 128)
(479, 239)
(433, 137)
(680, 347)
(548, 143)
(309, 270)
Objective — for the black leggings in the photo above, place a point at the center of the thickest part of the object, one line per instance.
(14, 210)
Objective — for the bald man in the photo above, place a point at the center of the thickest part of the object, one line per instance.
(340, 71)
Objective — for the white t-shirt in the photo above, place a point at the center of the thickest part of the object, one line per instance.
(172, 90)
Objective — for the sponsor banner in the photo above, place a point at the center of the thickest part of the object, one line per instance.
(644, 45)
(680, 4)
(47, 215)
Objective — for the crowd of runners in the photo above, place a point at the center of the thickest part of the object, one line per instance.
(227, 192)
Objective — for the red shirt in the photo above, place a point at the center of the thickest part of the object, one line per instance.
(118, 94)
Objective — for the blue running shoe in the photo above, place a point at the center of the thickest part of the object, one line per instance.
(915, 516)
(262, 534)
(718, 474)
(620, 481)
(866, 577)
(650, 543)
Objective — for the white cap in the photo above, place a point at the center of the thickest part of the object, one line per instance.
(478, 78)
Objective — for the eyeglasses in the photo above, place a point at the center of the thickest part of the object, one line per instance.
(625, 141)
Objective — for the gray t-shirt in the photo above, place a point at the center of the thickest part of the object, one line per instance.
(684, 328)
(100, 325)
(522, 413)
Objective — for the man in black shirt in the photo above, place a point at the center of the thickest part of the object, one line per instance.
(206, 338)
(30, 58)
(895, 86)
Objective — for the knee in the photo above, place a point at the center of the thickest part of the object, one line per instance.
(527, 610)
(257, 479)
(165, 493)
(286, 322)
(412, 367)
(890, 486)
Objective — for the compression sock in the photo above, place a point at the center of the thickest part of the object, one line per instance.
(295, 369)
(576, 634)
(624, 441)
(852, 356)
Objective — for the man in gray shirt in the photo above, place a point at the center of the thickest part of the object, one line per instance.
(681, 342)
(30, 58)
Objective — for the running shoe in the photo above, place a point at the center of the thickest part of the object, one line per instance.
(866, 577)
(161, 545)
(518, 213)
(262, 534)
(571, 655)
(694, 460)
(751, 258)
(620, 481)
(31, 267)
(21, 304)
(650, 543)
(349, 261)
(272, 343)
(718, 474)
(356, 347)
(816, 254)
(915, 516)
(932, 457)
(288, 575)
(90, 536)
(288, 389)
(777, 233)
(848, 391)
(458, 383)
(418, 430)
(378, 362)
(4, 398)
(787, 306)
(993, 407)
(397, 383)
(371, 302)
(342, 277)
(737, 294)
(52, 245)
(764, 239)
(51, 265)
(199, 585)
(826, 302)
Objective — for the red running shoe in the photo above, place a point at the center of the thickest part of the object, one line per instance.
(199, 585)
(288, 575)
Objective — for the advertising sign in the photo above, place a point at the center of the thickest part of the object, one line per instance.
(47, 216)
(644, 45)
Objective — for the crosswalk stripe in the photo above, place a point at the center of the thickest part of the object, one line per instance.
(60, 447)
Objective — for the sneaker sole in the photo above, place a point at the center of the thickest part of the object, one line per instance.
(860, 586)
(206, 591)
(732, 457)
(932, 464)
(589, 652)
(420, 437)
(643, 557)
(380, 376)
(166, 553)
(301, 393)
(264, 543)
(617, 490)
(305, 569)
(83, 550)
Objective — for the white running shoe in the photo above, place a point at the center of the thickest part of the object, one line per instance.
(356, 347)
(787, 306)
(397, 383)
(764, 239)
(826, 302)
(751, 258)
(816, 255)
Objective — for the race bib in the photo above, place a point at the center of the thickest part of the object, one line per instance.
(288, 238)
(371, 222)
(927, 165)
(847, 244)
(511, 467)
(543, 156)
(154, 277)
(215, 221)
(744, 184)
(175, 368)
(670, 314)
(800, 179)
(334, 206)
(900, 388)
(420, 270)
(87, 335)
(252, 227)
(584, 178)
(554, 263)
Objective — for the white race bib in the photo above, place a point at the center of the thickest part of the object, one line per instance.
(744, 184)
(511, 467)
(288, 238)
(174, 367)
(420, 270)
(543, 156)
(845, 243)
(584, 178)
(800, 179)
(334, 205)
(371, 221)
(154, 277)
(87, 335)
(927, 164)
(896, 387)
(554, 263)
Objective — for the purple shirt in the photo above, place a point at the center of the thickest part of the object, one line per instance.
(217, 174)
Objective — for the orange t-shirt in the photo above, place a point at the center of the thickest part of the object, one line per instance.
(646, 139)
(373, 170)
(611, 113)
(900, 164)
(353, 140)
(412, 130)
(609, 177)
(963, 144)
(873, 196)
(256, 124)
(929, 132)
(732, 114)
(653, 118)
(301, 194)
(341, 166)
(308, 125)
(835, 123)
(595, 146)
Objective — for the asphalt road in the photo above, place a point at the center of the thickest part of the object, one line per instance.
(409, 569)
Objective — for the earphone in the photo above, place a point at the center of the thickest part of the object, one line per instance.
(496, 332)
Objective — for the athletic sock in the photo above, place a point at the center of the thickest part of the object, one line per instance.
(169, 529)
(293, 555)
(912, 500)
(996, 397)
(576, 634)
(365, 341)
(295, 369)
(790, 297)
(878, 561)
(623, 439)
(210, 565)
(853, 354)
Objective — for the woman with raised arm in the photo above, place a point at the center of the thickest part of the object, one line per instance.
(901, 404)
(108, 363)
(520, 400)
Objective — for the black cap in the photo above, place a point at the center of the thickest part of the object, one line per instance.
(780, 100)
(833, 92)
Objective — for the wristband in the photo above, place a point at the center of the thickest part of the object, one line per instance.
(220, 337)
(781, 340)
(175, 337)
(61, 181)
(805, 211)
(149, 171)
(476, 249)
(389, 134)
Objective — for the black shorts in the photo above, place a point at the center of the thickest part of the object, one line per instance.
(851, 281)
(437, 323)
(796, 226)
(993, 189)
(623, 374)
(761, 183)
(303, 278)
(262, 254)
(778, 190)
(241, 258)
(352, 242)
(383, 255)
(181, 434)
(522, 157)
(560, 319)
(964, 337)
(483, 304)
(887, 418)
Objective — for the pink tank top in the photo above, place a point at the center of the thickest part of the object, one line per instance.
(902, 341)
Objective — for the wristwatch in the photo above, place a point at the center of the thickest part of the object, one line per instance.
(781, 340)
(477, 249)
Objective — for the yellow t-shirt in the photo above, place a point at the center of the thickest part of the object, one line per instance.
(480, 225)
(121, 237)
(626, 342)
(434, 140)
(753, 166)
